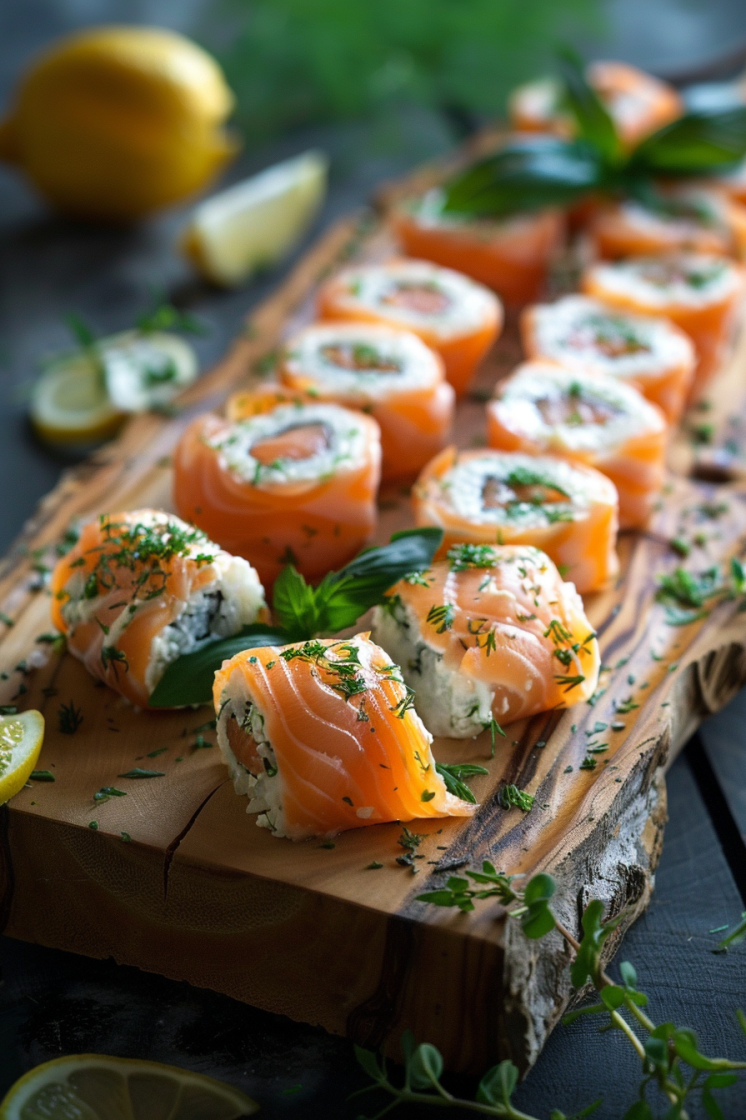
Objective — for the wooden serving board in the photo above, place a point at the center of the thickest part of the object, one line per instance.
(177, 879)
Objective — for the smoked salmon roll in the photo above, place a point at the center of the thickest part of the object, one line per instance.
(322, 736)
(638, 103)
(545, 409)
(501, 497)
(451, 313)
(296, 484)
(512, 256)
(140, 589)
(685, 218)
(700, 293)
(649, 352)
(489, 633)
(386, 372)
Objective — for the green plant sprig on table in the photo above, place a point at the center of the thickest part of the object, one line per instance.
(532, 172)
(663, 1050)
(303, 612)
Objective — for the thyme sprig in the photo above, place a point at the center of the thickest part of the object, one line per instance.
(669, 1056)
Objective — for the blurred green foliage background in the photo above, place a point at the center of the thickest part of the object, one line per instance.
(300, 62)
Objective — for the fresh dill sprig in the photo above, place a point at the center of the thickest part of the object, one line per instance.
(69, 718)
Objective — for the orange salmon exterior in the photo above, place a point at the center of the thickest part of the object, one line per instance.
(700, 293)
(314, 508)
(569, 511)
(502, 619)
(339, 730)
(388, 373)
(649, 352)
(542, 409)
(512, 256)
(638, 103)
(128, 578)
(701, 221)
(454, 316)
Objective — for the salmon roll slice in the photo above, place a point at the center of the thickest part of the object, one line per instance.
(389, 373)
(638, 103)
(502, 497)
(512, 256)
(322, 736)
(700, 293)
(684, 218)
(651, 353)
(489, 633)
(139, 589)
(545, 409)
(296, 484)
(451, 313)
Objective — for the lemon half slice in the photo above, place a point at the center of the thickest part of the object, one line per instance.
(21, 738)
(256, 222)
(85, 398)
(96, 1087)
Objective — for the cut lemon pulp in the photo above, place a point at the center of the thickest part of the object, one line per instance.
(85, 398)
(21, 738)
(96, 1087)
(256, 222)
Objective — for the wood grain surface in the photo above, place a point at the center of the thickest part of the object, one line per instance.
(176, 878)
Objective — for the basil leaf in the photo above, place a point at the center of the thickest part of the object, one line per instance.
(527, 173)
(294, 605)
(188, 680)
(343, 596)
(591, 115)
(701, 141)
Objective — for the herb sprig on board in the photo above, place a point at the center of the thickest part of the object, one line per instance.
(303, 612)
(670, 1059)
(533, 172)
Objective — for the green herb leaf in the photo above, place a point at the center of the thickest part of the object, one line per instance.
(138, 772)
(526, 174)
(188, 680)
(425, 1066)
(591, 115)
(498, 1084)
(454, 777)
(697, 143)
(42, 776)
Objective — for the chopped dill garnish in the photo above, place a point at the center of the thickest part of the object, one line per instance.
(69, 718)
(441, 617)
(510, 797)
(454, 777)
(463, 556)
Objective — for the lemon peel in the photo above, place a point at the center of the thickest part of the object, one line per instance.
(21, 738)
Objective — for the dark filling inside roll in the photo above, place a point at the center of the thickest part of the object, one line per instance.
(520, 487)
(296, 442)
(424, 298)
(663, 273)
(359, 357)
(573, 408)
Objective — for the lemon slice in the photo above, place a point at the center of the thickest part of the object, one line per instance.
(96, 1087)
(256, 222)
(70, 405)
(85, 398)
(21, 738)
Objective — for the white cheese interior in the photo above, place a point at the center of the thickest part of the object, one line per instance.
(566, 331)
(689, 279)
(345, 450)
(264, 789)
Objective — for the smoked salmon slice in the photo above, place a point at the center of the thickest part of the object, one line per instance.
(453, 315)
(699, 292)
(545, 409)
(322, 736)
(388, 373)
(649, 352)
(512, 256)
(684, 219)
(293, 482)
(638, 103)
(139, 589)
(489, 633)
(568, 510)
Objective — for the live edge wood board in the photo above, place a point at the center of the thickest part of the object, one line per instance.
(176, 878)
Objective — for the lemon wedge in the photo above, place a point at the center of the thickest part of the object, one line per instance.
(85, 398)
(256, 222)
(21, 738)
(96, 1087)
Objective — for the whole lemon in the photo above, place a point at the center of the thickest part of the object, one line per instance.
(115, 122)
